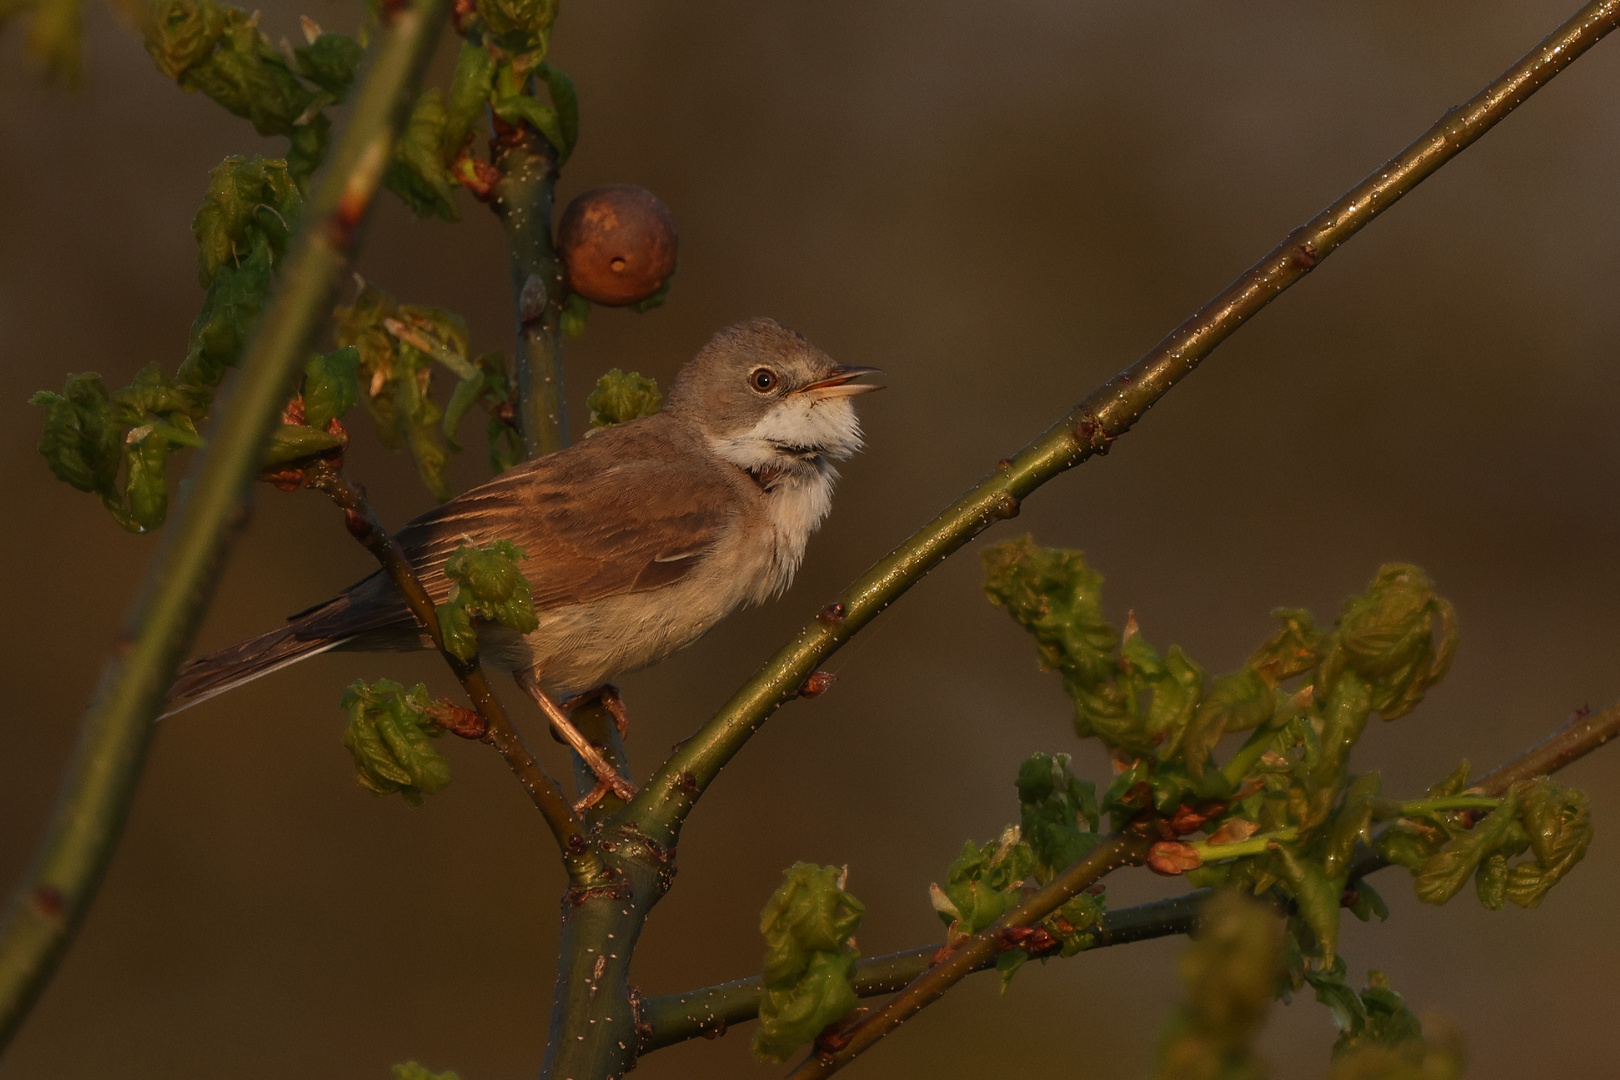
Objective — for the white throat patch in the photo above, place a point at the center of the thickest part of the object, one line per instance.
(790, 450)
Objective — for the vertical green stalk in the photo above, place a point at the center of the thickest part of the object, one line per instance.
(524, 198)
(50, 902)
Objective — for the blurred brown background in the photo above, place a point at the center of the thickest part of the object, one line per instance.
(1001, 205)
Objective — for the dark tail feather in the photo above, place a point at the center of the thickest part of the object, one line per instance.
(230, 667)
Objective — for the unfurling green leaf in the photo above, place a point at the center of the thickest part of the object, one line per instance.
(982, 884)
(1076, 922)
(1377, 1016)
(247, 198)
(620, 396)
(1446, 871)
(1057, 598)
(1387, 637)
(488, 587)
(412, 1070)
(1058, 812)
(1230, 973)
(1559, 824)
(810, 955)
(391, 741)
(330, 386)
(82, 440)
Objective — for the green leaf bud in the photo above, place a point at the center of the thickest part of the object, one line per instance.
(620, 396)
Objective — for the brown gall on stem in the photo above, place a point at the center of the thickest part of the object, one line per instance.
(1008, 506)
(1305, 256)
(833, 614)
(817, 684)
(687, 784)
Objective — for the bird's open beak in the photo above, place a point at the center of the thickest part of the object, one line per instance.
(841, 382)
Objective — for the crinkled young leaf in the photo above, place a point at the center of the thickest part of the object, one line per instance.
(330, 62)
(982, 884)
(247, 197)
(1448, 870)
(1368, 904)
(1558, 822)
(1387, 637)
(83, 438)
(810, 957)
(488, 587)
(1230, 973)
(182, 33)
(418, 172)
(469, 94)
(330, 386)
(620, 396)
(1351, 823)
(1057, 598)
(391, 742)
(523, 109)
(1058, 812)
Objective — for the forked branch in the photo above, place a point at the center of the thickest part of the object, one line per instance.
(709, 1011)
(585, 867)
(1095, 423)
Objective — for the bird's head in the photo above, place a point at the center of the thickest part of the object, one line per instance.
(769, 401)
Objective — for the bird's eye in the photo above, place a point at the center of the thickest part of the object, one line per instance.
(763, 380)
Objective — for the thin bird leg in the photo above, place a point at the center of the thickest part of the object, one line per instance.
(604, 770)
(610, 699)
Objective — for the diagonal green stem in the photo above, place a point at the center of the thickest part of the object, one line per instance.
(101, 779)
(663, 804)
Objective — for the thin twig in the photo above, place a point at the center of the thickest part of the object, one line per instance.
(708, 1011)
(100, 781)
(1121, 849)
(1091, 428)
(585, 866)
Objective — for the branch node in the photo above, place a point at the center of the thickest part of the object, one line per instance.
(833, 614)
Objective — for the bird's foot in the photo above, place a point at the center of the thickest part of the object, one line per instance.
(606, 775)
(607, 695)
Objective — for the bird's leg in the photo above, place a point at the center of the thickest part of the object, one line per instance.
(606, 774)
(607, 695)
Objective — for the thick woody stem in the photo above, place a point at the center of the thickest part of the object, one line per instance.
(1091, 428)
(523, 200)
(584, 864)
(100, 782)
(674, 1018)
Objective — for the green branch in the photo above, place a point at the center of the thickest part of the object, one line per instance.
(663, 804)
(100, 781)
(674, 1018)
(524, 198)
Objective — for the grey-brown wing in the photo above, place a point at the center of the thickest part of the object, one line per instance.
(608, 516)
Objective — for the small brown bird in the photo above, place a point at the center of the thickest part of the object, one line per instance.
(639, 539)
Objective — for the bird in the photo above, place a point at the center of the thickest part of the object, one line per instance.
(639, 539)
